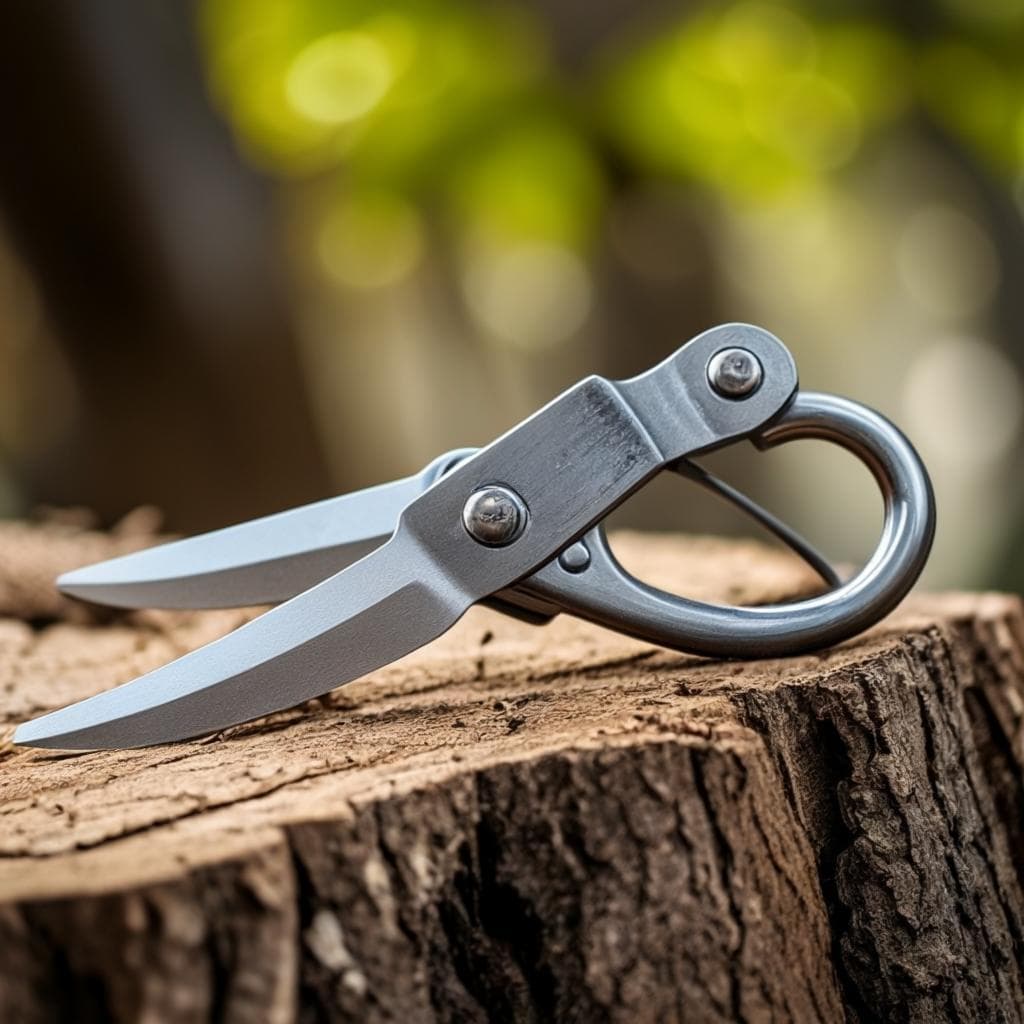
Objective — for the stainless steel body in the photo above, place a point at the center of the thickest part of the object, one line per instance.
(607, 594)
(492, 526)
(263, 561)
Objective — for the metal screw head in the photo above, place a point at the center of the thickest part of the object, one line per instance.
(735, 373)
(494, 516)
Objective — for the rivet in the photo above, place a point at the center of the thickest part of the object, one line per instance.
(495, 516)
(575, 558)
(735, 373)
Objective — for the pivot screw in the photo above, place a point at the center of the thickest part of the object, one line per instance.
(735, 373)
(494, 516)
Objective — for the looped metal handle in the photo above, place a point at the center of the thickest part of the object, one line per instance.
(604, 592)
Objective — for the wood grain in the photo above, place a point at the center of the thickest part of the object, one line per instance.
(526, 824)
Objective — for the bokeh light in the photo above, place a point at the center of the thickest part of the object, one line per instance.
(339, 78)
(756, 100)
(947, 261)
(369, 240)
(965, 396)
(529, 296)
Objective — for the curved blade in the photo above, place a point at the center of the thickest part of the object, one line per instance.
(569, 464)
(372, 613)
(264, 561)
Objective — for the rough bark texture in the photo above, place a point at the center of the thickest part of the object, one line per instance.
(521, 824)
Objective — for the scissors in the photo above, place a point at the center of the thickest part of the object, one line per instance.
(365, 578)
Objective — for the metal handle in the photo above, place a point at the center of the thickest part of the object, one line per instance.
(605, 593)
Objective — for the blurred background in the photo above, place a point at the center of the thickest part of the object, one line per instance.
(258, 252)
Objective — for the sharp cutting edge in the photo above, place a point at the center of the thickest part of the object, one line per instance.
(263, 561)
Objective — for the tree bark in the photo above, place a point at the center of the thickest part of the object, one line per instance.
(522, 824)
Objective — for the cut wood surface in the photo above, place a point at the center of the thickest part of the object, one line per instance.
(524, 824)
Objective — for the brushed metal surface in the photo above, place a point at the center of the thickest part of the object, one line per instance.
(571, 463)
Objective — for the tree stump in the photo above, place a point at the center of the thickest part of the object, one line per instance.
(525, 824)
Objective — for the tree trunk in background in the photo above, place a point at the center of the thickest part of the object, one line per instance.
(521, 824)
(154, 251)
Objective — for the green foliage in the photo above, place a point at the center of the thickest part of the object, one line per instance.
(753, 99)
(977, 98)
(455, 106)
(534, 178)
(391, 91)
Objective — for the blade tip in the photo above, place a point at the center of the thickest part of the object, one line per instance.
(75, 584)
(66, 580)
(28, 734)
(109, 593)
(38, 733)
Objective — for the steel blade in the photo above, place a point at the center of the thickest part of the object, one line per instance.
(565, 467)
(393, 601)
(264, 561)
